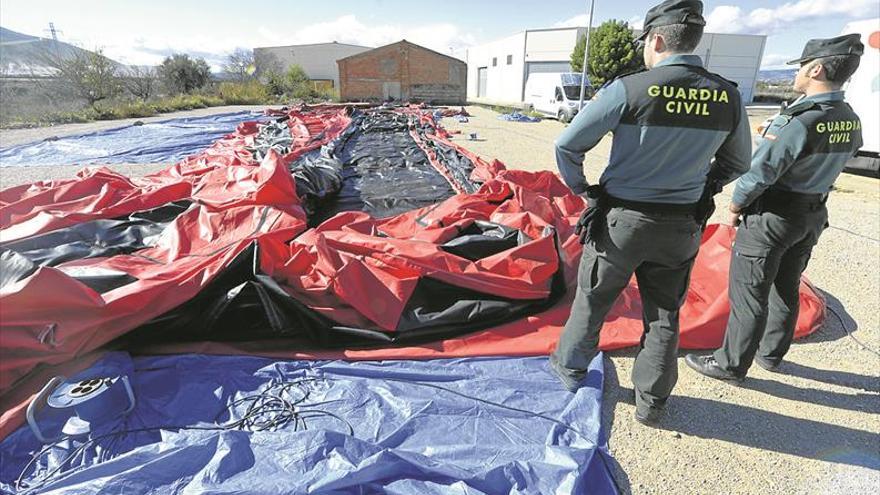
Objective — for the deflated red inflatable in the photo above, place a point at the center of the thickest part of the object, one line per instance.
(330, 231)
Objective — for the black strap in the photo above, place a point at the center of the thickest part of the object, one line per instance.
(788, 202)
(780, 195)
(647, 207)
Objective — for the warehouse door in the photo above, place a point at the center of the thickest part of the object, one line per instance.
(481, 82)
(391, 91)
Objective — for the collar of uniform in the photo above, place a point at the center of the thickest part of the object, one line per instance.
(829, 96)
(680, 60)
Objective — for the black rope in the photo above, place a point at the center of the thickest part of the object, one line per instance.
(863, 236)
(496, 404)
(264, 411)
(850, 334)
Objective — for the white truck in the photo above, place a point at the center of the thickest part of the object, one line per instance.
(556, 94)
(863, 94)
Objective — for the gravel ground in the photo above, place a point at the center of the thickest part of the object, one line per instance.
(814, 428)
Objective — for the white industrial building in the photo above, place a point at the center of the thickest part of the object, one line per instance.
(498, 70)
(317, 59)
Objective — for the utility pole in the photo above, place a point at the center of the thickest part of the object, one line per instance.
(585, 72)
(54, 32)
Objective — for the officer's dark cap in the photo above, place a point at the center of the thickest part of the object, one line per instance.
(848, 44)
(673, 12)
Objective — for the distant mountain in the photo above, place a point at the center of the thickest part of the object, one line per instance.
(22, 54)
(780, 76)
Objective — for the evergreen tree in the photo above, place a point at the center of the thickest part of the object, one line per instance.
(612, 52)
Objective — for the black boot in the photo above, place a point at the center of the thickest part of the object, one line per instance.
(569, 382)
(646, 414)
(767, 364)
(706, 365)
(650, 416)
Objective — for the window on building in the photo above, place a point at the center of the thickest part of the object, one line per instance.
(494, 61)
(510, 60)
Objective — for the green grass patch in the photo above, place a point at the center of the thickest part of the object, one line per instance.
(246, 93)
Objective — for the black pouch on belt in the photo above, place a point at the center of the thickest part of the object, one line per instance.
(590, 224)
(755, 208)
(706, 204)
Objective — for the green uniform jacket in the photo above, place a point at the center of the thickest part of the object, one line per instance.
(804, 149)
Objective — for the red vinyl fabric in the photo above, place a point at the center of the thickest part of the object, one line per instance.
(353, 269)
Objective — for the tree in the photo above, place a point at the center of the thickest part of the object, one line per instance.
(182, 74)
(612, 52)
(294, 82)
(140, 81)
(88, 75)
(240, 64)
(266, 64)
(296, 76)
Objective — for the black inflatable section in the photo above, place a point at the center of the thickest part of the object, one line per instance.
(376, 166)
(484, 239)
(243, 304)
(239, 304)
(98, 238)
(14, 267)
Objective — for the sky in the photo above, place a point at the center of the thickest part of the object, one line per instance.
(143, 33)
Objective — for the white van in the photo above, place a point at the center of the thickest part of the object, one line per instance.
(556, 94)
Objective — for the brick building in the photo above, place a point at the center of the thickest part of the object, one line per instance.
(403, 71)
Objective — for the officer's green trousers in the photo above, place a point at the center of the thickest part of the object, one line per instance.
(770, 253)
(660, 249)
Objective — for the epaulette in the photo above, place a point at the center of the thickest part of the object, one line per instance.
(735, 85)
(630, 73)
(789, 113)
(706, 71)
(799, 108)
(621, 76)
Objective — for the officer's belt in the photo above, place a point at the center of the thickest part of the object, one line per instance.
(646, 207)
(790, 197)
(780, 200)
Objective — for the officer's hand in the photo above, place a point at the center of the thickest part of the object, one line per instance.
(735, 215)
(734, 219)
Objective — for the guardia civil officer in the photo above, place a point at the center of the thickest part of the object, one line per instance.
(782, 203)
(669, 122)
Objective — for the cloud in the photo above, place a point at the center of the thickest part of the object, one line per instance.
(576, 21)
(582, 20)
(776, 60)
(151, 50)
(733, 19)
(348, 29)
(636, 21)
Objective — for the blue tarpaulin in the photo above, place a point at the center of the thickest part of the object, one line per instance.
(518, 117)
(156, 142)
(426, 427)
